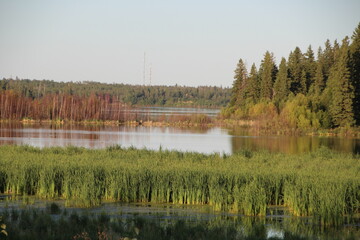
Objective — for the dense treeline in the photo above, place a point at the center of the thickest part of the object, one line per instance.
(303, 91)
(130, 94)
(244, 183)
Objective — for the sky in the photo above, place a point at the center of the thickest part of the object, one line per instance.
(187, 42)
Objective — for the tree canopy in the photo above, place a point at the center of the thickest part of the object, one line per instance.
(307, 92)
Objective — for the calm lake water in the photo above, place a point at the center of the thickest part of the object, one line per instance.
(277, 224)
(204, 140)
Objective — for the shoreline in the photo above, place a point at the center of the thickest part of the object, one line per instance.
(251, 125)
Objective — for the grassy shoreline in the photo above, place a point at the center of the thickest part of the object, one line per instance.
(323, 184)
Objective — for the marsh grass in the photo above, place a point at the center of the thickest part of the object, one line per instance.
(322, 184)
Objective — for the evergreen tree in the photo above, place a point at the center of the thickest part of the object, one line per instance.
(310, 67)
(340, 89)
(355, 71)
(327, 59)
(253, 85)
(238, 90)
(319, 79)
(295, 64)
(282, 84)
(267, 76)
(303, 82)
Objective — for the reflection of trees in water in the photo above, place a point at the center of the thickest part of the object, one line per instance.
(291, 144)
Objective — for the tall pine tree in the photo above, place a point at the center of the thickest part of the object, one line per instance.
(310, 67)
(340, 89)
(355, 71)
(327, 59)
(282, 84)
(252, 88)
(268, 71)
(295, 64)
(239, 84)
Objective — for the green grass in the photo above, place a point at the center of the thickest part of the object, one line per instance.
(323, 184)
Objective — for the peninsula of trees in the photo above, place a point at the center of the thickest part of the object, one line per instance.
(304, 91)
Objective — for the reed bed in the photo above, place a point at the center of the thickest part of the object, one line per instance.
(323, 184)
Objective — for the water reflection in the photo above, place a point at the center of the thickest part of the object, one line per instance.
(291, 144)
(205, 140)
(272, 226)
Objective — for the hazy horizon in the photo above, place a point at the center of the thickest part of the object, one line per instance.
(191, 43)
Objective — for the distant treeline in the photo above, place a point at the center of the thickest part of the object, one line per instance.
(140, 95)
(68, 107)
(59, 106)
(303, 92)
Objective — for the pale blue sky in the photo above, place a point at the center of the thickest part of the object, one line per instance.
(186, 42)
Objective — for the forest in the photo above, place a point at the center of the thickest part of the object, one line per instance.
(80, 101)
(304, 91)
(142, 95)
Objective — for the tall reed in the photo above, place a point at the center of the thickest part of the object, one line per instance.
(323, 184)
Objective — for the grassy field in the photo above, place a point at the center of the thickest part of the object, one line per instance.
(323, 184)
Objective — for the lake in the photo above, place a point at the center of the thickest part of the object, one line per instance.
(277, 224)
(197, 139)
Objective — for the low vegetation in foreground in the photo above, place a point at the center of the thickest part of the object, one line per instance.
(323, 184)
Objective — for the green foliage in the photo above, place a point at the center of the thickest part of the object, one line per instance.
(308, 93)
(340, 90)
(268, 71)
(244, 183)
(139, 95)
(239, 85)
(297, 114)
(355, 71)
(296, 65)
(282, 83)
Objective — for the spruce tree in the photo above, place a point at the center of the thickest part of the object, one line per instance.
(355, 71)
(327, 59)
(282, 84)
(340, 89)
(238, 90)
(252, 90)
(310, 67)
(295, 64)
(267, 76)
(319, 79)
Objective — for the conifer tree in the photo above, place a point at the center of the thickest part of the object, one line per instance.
(267, 76)
(238, 90)
(282, 84)
(310, 67)
(295, 64)
(319, 79)
(253, 85)
(355, 71)
(340, 89)
(327, 58)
